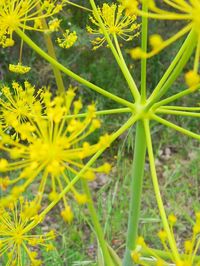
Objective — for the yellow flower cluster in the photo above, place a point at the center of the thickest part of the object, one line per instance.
(188, 258)
(16, 222)
(24, 14)
(19, 68)
(116, 23)
(68, 40)
(53, 143)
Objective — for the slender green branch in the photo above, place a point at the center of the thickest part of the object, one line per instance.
(97, 226)
(136, 192)
(175, 97)
(182, 108)
(78, 6)
(104, 112)
(178, 128)
(174, 69)
(144, 49)
(175, 112)
(70, 73)
(124, 68)
(172, 243)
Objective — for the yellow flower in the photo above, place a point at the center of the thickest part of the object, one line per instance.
(17, 104)
(129, 5)
(52, 145)
(186, 258)
(16, 222)
(116, 23)
(68, 40)
(25, 15)
(19, 68)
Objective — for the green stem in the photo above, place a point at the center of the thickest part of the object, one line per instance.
(123, 67)
(174, 97)
(174, 69)
(70, 73)
(182, 108)
(52, 53)
(136, 192)
(144, 49)
(166, 226)
(97, 226)
(103, 112)
(78, 6)
(180, 113)
(172, 125)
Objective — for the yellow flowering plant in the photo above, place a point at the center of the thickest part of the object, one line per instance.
(48, 130)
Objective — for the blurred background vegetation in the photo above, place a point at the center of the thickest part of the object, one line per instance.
(177, 156)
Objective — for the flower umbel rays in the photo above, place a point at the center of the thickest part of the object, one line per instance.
(116, 23)
(16, 222)
(25, 15)
(52, 148)
(188, 258)
(188, 11)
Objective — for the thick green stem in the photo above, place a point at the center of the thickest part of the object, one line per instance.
(70, 73)
(52, 53)
(136, 192)
(97, 226)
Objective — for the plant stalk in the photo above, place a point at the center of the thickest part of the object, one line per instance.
(97, 227)
(52, 53)
(136, 192)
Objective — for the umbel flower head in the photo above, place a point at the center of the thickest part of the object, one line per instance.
(189, 257)
(116, 23)
(17, 104)
(24, 14)
(16, 242)
(50, 147)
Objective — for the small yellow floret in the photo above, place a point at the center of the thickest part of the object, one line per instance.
(135, 255)
(81, 198)
(136, 53)
(172, 219)
(54, 24)
(162, 235)
(67, 214)
(69, 39)
(19, 68)
(192, 78)
(155, 41)
(3, 165)
(188, 246)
